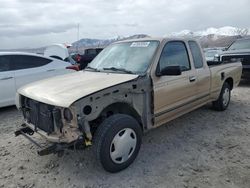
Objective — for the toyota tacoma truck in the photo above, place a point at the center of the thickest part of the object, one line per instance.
(130, 88)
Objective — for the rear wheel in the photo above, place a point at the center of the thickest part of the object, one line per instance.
(224, 99)
(117, 142)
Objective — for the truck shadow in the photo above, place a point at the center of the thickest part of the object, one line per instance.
(244, 83)
(7, 109)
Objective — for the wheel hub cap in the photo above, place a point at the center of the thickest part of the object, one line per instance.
(123, 145)
(226, 96)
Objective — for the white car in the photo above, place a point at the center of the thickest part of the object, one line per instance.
(18, 69)
(59, 51)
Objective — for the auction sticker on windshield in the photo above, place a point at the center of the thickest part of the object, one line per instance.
(140, 44)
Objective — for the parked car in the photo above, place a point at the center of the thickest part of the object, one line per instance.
(88, 56)
(18, 69)
(129, 88)
(61, 52)
(239, 50)
(211, 54)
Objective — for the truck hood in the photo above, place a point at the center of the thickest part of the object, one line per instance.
(66, 89)
(236, 52)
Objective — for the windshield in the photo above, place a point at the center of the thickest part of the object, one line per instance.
(240, 45)
(127, 57)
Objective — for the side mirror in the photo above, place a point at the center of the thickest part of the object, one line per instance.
(170, 71)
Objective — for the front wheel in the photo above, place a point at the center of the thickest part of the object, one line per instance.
(224, 99)
(117, 142)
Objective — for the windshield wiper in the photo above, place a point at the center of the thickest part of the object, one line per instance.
(118, 69)
(91, 68)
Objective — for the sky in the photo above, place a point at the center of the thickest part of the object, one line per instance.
(36, 23)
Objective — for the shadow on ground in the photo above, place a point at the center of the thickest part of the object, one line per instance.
(245, 83)
(7, 109)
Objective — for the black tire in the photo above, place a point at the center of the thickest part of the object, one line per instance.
(105, 134)
(220, 105)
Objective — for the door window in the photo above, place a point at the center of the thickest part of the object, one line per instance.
(175, 54)
(4, 63)
(27, 61)
(196, 54)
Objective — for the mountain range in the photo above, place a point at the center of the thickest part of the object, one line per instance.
(86, 42)
(222, 31)
(210, 37)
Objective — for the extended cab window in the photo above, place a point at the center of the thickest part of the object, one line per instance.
(196, 54)
(174, 54)
(26, 61)
(4, 63)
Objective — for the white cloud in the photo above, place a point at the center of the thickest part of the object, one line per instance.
(28, 23)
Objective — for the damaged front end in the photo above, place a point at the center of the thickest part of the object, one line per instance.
(56, 124)
(76, 125)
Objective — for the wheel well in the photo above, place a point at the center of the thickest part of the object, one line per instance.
(230, 82)
(117, 108)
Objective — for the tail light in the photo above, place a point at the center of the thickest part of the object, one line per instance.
(74, 67)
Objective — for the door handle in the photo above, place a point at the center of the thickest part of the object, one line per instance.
(192, 78)
(51, 70)
(6, 78)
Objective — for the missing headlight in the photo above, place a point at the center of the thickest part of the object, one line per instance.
(67, 114)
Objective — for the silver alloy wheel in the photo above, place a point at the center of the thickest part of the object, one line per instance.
(226, 96)
(123, 145)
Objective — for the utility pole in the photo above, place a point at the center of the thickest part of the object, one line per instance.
(77, 46)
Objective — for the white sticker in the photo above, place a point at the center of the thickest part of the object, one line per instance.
(140, 44)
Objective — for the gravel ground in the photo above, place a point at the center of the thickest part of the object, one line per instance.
(204, 148)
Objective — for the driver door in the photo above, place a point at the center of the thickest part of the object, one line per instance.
(173, 94)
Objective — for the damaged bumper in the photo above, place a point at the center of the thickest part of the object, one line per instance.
(49, 137)
(54, 148)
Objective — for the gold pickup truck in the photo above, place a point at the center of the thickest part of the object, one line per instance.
(129, 88)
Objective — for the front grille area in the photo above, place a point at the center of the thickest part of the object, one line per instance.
(245, 59)
(39, 114)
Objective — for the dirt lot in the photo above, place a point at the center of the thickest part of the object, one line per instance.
(201, 149)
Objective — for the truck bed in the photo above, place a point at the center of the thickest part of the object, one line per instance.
(222, 70)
